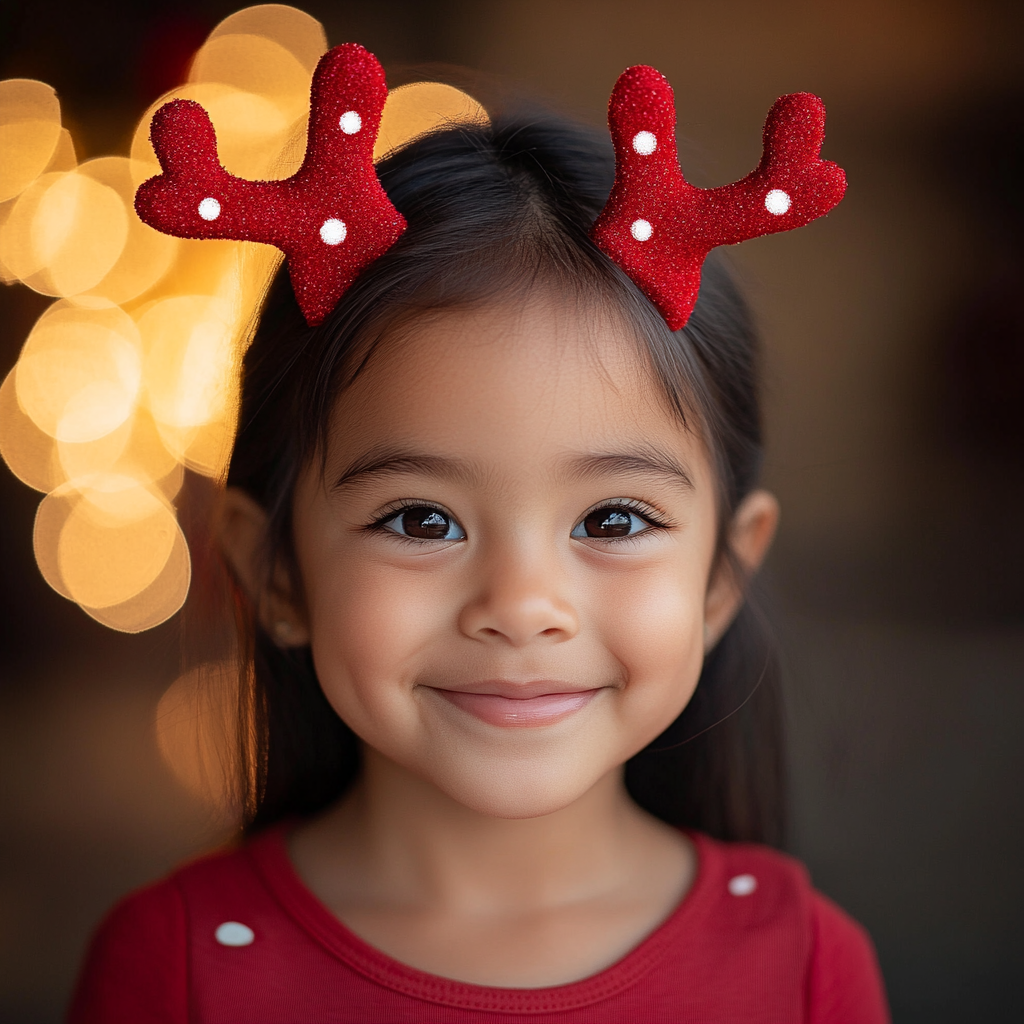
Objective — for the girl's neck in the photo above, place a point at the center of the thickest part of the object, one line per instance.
(399, 842)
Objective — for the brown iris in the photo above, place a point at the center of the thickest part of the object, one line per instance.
(608, 522)
(425, 523)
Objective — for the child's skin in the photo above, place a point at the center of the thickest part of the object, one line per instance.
(471, 846)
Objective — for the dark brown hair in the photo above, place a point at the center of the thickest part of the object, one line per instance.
(492, 210)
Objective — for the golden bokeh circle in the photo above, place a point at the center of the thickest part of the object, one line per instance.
(147, 254)
(189, 343)
(157, 602)
(299, 33)
(27, 147)
(115, 541)
(80, 371)
(29, 452)
(78, 232)
(51, 515)
(257, 65)
(64, 234)
(196, 724)
(419, 108)
(30, 131)
(16, 248)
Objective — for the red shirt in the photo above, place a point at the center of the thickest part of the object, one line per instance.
(750, 942)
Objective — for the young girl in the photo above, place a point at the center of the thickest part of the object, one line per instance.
(513, 738)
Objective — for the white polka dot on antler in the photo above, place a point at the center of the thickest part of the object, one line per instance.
(645, 143)
(641, 230)
(350, 122)
(777, 202)
(209, 208)
(333, 231)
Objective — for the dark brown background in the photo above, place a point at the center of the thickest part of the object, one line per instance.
(896, 413)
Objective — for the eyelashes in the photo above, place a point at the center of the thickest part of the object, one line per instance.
(618, 520)
(610, 521)
(422, 522)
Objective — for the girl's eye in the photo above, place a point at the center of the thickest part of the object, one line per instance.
(610, 522)
(425, 523)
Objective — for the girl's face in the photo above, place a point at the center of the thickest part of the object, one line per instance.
(506, 568)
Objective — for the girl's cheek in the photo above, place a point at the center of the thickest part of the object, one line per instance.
(657, 635)
(369, 625)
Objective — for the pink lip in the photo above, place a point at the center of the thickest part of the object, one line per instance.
(523, 709)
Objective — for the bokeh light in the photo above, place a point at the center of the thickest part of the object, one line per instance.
(157, 602)
(115, 541)
(189, 359)
(191, 372)
(252, 76)
(82, 460)
(19, 256)
(422, 107)
(196, 729)
(298, 32)
(114, 546)
(51, 516)
(134, 449)
(29, 452)
(30, 131)
(147, 254)
(64, 234)
(80, 370)
(257, 65)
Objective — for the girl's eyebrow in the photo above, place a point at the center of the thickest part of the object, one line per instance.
(644, 461)
(384, 461)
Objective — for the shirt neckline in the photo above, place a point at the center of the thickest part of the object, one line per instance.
(269, 853)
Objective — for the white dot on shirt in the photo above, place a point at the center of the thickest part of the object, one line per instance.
(234, 933)
(741, 885)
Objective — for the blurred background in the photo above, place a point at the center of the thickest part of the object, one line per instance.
(895, 339)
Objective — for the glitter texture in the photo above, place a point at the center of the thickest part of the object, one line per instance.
(336, 183)
(688, 222)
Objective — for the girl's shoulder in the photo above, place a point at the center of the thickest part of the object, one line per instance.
(150, 936)
(237, 936)
(759, 891)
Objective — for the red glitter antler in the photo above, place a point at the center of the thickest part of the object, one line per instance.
(659, 228)
(331, 218)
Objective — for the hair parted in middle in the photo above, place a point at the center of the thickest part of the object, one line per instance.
(494, 212)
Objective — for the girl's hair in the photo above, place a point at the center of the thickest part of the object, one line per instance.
(494, 211)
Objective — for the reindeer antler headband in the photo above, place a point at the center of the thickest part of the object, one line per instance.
(331, 218)
(659, 228)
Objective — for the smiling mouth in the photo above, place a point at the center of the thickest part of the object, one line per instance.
(512, 712)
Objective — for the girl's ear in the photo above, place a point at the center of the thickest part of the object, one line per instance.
(243, 538)
(750, 535)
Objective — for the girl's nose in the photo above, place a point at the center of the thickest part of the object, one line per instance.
(519, 604)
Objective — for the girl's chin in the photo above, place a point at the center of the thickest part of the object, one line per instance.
(517, 788)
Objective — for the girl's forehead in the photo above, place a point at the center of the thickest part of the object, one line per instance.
(510, 383)
(508, 358)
